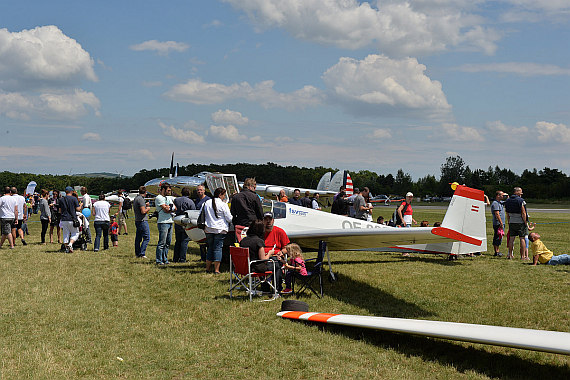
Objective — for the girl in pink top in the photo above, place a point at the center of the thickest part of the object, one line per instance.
(296, 263)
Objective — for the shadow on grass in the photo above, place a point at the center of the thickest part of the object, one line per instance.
(362, 295)
(463, 359)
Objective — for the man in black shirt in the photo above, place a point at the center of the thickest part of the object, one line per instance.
(246, 207)
(68, 206)
(182, 204)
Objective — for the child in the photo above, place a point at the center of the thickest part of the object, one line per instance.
(114, 231)
(296, 263)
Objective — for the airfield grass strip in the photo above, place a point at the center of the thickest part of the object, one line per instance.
(110, 315)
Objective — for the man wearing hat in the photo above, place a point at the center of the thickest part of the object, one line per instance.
(405, 211)
(68, 206)
(274, 236)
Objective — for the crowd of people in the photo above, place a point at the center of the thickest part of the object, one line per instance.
(68, 218)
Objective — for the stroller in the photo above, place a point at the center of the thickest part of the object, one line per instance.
(83, 238)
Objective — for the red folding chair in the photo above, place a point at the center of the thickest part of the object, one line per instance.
(244, 278)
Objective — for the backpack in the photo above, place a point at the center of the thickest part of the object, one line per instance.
(127, 203)
(395, 220)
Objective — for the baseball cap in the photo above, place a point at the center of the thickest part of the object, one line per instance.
(409, 194)
(268, 214)
(68, 189)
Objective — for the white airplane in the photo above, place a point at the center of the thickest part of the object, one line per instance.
(462, 230)
(328, 185)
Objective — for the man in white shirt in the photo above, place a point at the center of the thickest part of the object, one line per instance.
(8, 216)
(22, 216)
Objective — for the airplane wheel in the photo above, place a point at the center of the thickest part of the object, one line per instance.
(294, 305)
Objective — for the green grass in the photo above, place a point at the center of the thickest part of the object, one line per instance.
(74, 315)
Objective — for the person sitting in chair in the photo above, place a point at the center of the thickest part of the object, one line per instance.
(256, 245)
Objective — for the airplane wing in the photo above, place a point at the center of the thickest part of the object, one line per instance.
(377, 238)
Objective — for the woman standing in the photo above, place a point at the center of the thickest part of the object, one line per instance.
(218, 219)
(55, 216)
(102, 220)
(45, 214)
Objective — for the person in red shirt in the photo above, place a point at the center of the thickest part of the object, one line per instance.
(274, 236)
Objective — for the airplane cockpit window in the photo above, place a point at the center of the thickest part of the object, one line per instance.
(279, 210)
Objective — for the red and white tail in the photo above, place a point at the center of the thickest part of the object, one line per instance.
(466, 215)
(348, 184)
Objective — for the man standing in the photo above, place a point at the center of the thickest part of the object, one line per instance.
(306, 201)
(182, 204)
(141, 209)
(498, 211)
(22, 216)
(296, 200)
(315, 202)
(86, 203)
(122, 213)
(516, 216)
(350, 201)
(8, 216)
(360, 207)
(405, 211)
(69, 205)
(246, 207)
(165, 205)
(202, 197)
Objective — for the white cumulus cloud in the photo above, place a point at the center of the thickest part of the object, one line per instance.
(553, 133)
(199, 92)
(460, 133)
(378, 85)
(42, 57)
(179, 134)
(160, 47)
(91, 136)
(394, 27)
(226, 133)
(381, 134)
(229, 117)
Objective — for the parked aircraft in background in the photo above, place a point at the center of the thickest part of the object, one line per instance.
(328, 185)
(462, 230)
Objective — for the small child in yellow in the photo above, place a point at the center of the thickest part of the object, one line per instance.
(544, 255)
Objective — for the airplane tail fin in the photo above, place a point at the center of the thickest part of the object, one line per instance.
(348, 184)
(466, 215)
(171, 171)
(324, 182)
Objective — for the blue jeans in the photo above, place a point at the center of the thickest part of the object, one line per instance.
(164, 238)
(215, 246)
(141, 238)
(101, 228)
(181, 245)
(559, 260)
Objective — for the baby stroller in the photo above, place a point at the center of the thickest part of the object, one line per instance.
(81, 241)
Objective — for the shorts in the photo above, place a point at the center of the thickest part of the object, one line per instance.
(6, 226)
(114, 237)
(18, 225)
(121, 218)
(518, 229)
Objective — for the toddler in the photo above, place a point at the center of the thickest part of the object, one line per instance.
(296, 263)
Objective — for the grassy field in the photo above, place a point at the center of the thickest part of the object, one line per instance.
(109, 315)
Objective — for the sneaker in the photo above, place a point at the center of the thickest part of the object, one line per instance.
(95, 250)
(143, 257)
(286, 291)
(24, 242)
(498, 254)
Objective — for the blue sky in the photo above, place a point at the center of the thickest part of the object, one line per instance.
(119, 85)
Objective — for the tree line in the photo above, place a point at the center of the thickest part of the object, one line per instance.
(537, 184)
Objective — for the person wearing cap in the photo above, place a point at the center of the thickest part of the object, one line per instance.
(498, 211)
(68, 206)
(274, 236)
(275, 241)
(405, 211)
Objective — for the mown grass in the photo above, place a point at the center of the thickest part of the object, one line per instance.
(75, 315)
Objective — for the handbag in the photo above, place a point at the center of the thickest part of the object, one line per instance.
(201, 222)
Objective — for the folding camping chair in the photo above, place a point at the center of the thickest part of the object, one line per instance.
(306, 282)
(240, 272)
